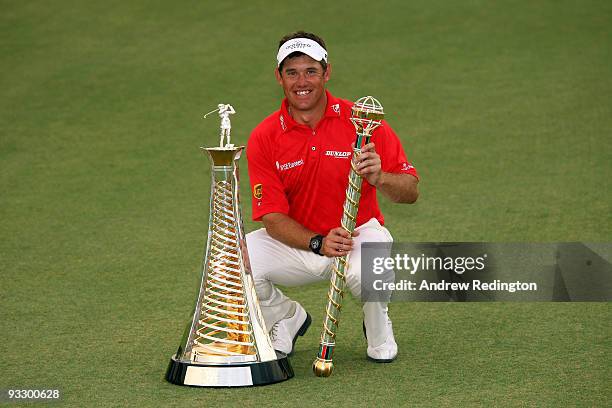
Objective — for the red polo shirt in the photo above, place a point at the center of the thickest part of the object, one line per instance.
(303, 173)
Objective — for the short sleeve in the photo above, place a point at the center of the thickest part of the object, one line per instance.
(267, 191)
(393, 157)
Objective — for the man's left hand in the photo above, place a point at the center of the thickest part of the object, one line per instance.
(368, 164)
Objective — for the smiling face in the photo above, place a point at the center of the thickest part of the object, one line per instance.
(303, 80)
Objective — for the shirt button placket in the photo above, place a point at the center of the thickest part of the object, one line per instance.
(313, 148)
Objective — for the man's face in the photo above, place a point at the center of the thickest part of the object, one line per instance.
(303, 81)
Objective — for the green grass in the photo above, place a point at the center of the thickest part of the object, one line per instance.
(504, 108)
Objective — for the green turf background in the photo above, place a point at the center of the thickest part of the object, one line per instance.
(504, 107)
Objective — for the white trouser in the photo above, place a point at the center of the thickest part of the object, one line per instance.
(273, 262)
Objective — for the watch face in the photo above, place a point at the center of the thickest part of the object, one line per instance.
(315, 243)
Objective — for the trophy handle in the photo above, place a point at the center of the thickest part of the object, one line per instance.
(367, 115)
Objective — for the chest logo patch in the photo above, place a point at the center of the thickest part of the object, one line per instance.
(290, 165)
(338, 155)
(258, 191)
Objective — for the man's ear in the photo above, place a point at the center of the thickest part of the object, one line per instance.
(327, 73)
(277, 74)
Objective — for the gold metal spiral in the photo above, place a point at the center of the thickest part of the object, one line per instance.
(367, 114)
(335, 294)
(224, 328)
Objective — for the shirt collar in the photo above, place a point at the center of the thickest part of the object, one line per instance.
(332, 110)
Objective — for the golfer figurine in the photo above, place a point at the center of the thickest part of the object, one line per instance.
(226, 125)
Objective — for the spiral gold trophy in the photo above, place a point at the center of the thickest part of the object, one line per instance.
(226, 342)
(367, 115)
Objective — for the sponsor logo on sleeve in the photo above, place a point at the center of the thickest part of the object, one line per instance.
(406, 167)
(258, 191)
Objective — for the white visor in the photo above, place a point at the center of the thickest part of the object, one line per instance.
(305, 45)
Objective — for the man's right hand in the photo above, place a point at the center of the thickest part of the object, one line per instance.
(338, 242)
(285, 229)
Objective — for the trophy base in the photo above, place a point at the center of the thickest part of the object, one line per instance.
(229, 375)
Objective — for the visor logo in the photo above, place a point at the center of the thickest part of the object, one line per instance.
(297, 45)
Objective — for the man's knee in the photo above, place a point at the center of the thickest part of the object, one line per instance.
(374, 234)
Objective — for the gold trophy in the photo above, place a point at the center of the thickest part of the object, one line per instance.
(226, 342)
(367, 115)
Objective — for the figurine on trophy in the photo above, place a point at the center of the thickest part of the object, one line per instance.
(224, 109)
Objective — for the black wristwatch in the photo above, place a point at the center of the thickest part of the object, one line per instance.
(316, 243)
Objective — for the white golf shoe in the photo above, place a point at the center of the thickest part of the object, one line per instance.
(382, 347)
(285, 332)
